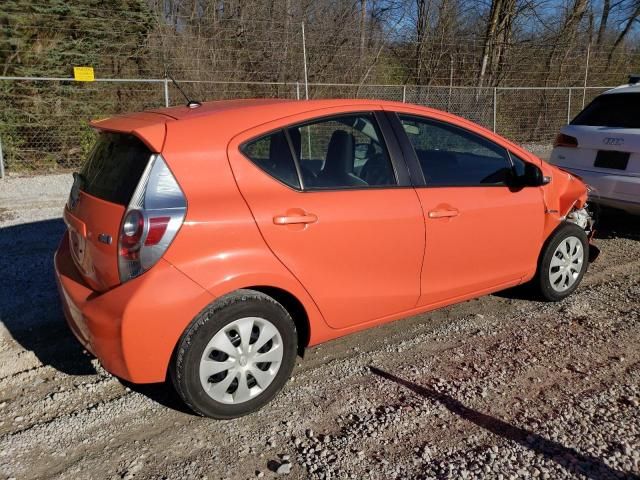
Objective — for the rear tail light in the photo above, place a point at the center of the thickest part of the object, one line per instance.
(154, 216)
(563, 140)
(131, 234)
(157, 228)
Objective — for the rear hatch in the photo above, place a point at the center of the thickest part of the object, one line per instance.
(607, 133)
(101, 192)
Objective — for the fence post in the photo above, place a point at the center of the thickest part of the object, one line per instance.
(297, 90)
(1, 161)
(586, 75)
(495, 100)
(569, 107)
(166, 92)
(404, 94)
(304, 55)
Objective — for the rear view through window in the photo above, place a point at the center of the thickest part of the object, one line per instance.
(114, 167)
(619, 110)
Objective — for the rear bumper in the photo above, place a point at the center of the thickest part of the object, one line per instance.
(133, 328)
(612, 189)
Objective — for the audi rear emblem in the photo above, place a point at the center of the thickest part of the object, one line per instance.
(613, 141)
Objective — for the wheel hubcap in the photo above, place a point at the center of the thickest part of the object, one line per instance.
(566, 264)
(241, 360)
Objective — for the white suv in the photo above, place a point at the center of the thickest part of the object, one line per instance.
(602, 146)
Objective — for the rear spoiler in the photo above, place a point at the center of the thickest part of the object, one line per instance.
(151, 128)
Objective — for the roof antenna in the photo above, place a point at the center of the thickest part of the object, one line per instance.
(190, 103)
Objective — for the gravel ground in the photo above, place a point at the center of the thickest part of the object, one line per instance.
(500, 387)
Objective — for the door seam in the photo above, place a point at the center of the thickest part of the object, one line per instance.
(253, 217)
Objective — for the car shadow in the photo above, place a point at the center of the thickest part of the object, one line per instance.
(569, 458)
(161, 393)
(612, 223)
(31, 312)
(30, 308)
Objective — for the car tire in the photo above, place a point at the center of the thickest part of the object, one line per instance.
(216, 366)
(563, 262)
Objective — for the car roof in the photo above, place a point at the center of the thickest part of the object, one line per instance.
(274, 106)
(627, 88)
(248, 113)
(150, 124)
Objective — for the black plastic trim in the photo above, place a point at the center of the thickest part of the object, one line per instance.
(296, 161)
(409, 154)
(396, 155)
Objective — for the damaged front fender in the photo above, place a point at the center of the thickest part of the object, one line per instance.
(566, 200)
(564, 193)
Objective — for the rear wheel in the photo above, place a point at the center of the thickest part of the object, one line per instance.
(235, 356)
(563, 262)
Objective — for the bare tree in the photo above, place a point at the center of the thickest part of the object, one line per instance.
(497, 38)
(604, 18)
(632, 18)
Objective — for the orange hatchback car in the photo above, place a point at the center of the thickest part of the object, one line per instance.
(211, 245)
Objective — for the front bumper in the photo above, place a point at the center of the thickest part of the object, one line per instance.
(133, 328)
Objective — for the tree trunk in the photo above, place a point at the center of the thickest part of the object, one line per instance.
(496, 42)
(625, 31)
(604, 18)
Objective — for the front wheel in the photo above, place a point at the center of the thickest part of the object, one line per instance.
(235, 356)
(563, 262)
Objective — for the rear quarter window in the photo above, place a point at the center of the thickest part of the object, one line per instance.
(114, 167)
(618, 110)
(272, 154)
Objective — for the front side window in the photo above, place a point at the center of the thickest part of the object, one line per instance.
(453, 156)
(342, 152)
(273, 155)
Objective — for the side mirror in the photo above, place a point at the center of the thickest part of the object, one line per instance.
(532, 176)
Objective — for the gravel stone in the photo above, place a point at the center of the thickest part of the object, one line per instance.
(284, 469)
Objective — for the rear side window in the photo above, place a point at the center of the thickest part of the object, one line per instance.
(619, 110)
(114, 167)
(346, 151)
(453, 156)
(273, 155)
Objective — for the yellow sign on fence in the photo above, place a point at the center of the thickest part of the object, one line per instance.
(83, 74)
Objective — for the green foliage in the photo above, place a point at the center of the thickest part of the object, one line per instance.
(48, 39)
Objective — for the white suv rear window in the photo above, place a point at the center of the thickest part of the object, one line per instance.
(618, 110)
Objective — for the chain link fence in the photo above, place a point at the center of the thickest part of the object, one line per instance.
(44, 122)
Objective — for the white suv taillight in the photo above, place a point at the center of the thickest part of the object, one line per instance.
(153, 217)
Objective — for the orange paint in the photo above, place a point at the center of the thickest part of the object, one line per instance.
(358, 258)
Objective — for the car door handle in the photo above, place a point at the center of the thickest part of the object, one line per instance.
(293, 219)
(443, 213)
